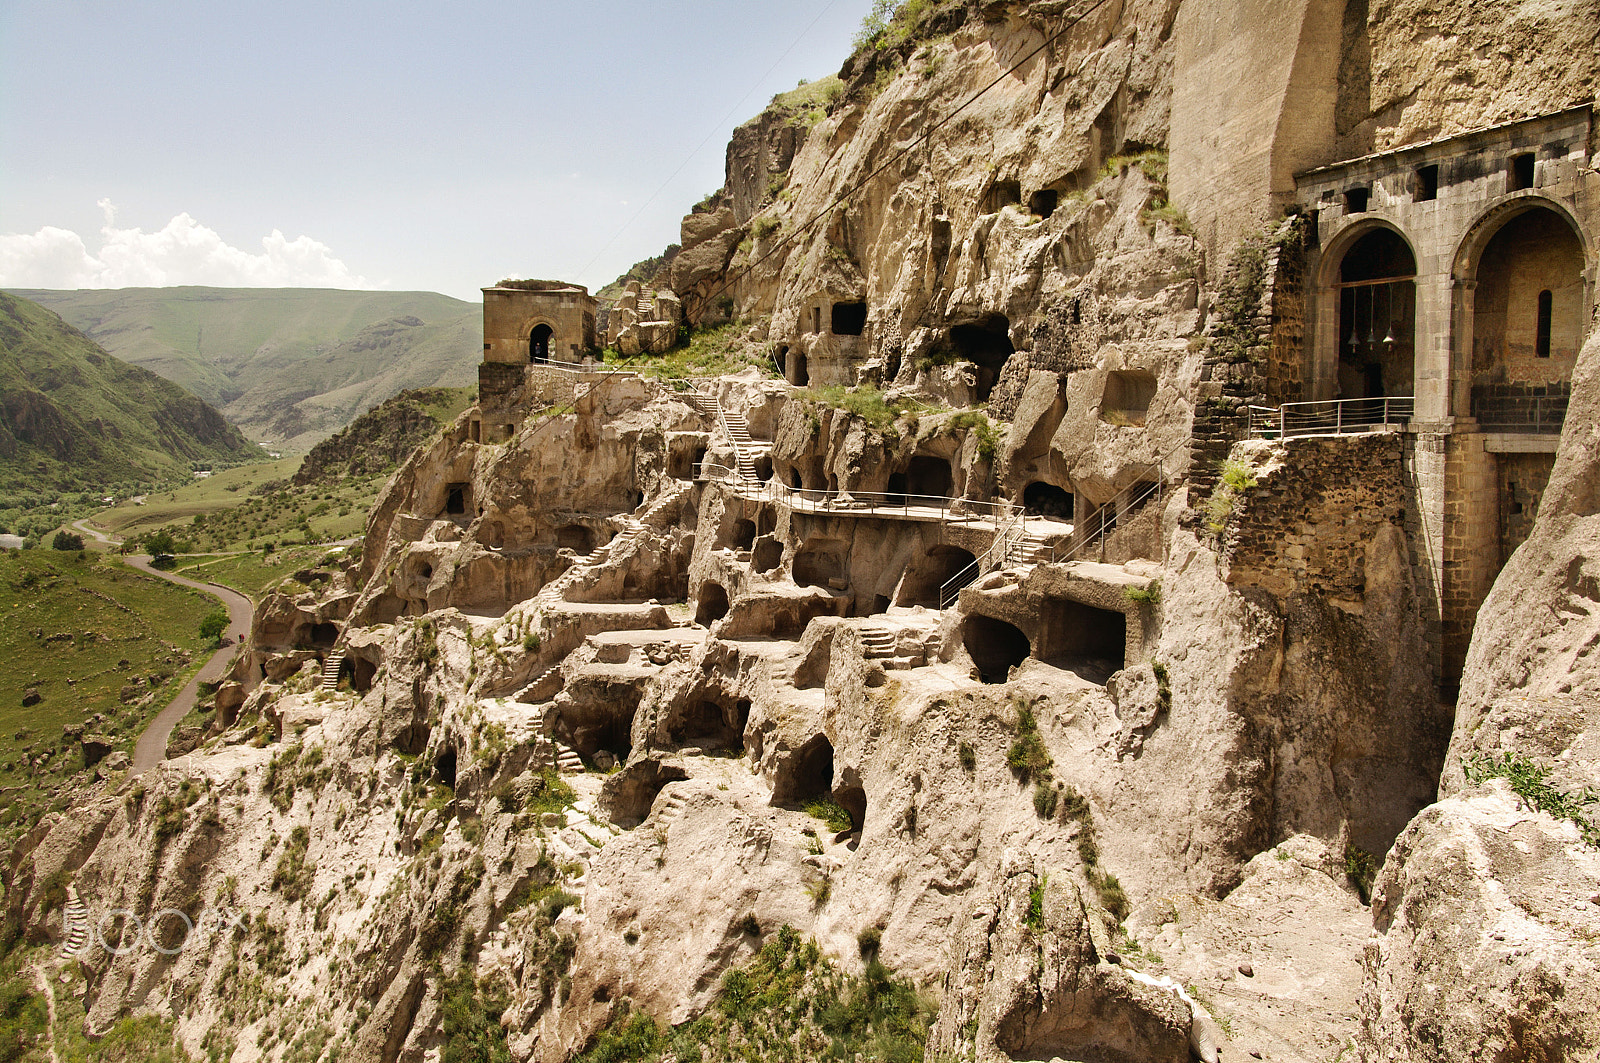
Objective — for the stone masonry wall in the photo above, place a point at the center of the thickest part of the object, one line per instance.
(1317, 504)
(1253, 344)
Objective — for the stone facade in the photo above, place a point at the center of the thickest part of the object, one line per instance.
(524, 326)
(644, 321)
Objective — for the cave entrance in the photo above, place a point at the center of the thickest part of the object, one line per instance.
(821, 563)
(767, 554)
(1042, 499)
(744, 534)
(848, 319)
(796, 368)
(362, 672)
(444, 767)
(994, 646)
(324, 635)
(711, 725)
(455, 499)
(1127, 395)
(928, 476)
(986, 343)
(575, 537)
(1090, 641)
(539, 343)
(925, 580)
(711, 605)
(807, 774)
(1377, 317)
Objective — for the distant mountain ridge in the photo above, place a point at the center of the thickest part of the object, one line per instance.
(71, 416)
(288, 366)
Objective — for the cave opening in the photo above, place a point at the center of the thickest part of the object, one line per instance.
(711, 605)
(994, 646)
(455, 499)
(744, 534)
(986, 343)
(806, 775)
(1040, 499)
(575, 537)
(928, 476)
(848, 319)
(767, 554)
(1083, 638)
(324, 635)
(444, 767)
(925, 579)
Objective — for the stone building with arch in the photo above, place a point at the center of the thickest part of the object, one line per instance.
(527, 326)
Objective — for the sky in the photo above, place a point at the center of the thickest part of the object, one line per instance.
(392, 145)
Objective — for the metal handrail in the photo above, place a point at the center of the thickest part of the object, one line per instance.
(870, 502)
(950, 588)
(1330, 417)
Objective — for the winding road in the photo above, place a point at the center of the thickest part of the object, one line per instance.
(151, 748)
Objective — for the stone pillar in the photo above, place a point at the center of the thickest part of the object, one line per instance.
(1471, 546)
(1431, 368)
(1463, 294)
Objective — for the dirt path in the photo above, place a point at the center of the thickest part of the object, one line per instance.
(42, 980)
(152, 746)
(94, 533)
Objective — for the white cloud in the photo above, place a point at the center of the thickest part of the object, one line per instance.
(183, 252)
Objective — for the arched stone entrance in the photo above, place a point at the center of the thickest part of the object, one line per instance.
(1522, 265)
(539, 343)
(1377, 317)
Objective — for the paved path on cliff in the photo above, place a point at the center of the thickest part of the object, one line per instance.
(152, 745)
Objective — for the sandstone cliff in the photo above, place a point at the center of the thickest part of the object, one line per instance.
(982, 671)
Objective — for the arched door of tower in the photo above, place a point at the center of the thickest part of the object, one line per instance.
(539, 343)
(1527, 318)
(1377, 317)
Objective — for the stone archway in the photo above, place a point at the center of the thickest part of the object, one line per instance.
(1522, 268)
(1377, 317)
(539, 343)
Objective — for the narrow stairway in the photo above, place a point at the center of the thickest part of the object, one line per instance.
(330, 670)
(74, 924)
(877, 641)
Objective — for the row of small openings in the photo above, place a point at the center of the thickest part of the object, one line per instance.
(846, 319)
(1003, 194)
(1425, 184)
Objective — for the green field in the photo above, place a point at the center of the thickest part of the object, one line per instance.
(252, 573)
(245, 508)
(83, 631)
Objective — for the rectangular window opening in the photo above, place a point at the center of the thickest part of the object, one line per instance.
(1541, 343)
(1427, 183)
(1521, 173)
(1355, 200)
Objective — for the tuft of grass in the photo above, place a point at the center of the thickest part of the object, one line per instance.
(830, 812)
(1531, 782)
(1150, 595)
(705, 352)
(1236, 478)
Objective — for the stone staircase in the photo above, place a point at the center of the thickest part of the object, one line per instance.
(330, 670)
(556, 589)
(737, 428)
(75, 925)
(668, 807)
(568, 762)
(877, 641)
(1029, 548)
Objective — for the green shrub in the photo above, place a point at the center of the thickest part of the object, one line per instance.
(1112, 897)
(830, 812)
(1360, 869)
(1027, 757)
(1035, 917)
(214, 624)
(1150, 595)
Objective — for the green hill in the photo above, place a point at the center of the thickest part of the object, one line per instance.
(72, 416)
(289, 366)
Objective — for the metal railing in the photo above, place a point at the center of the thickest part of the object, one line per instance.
(856, 503)
(1333, 417)
(951, 588)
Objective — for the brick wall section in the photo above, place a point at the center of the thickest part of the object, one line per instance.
(1305, 526)
(496, 383)
(1253, 345)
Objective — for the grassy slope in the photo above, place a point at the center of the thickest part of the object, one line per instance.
(232, 517)
(71, 416)
(288, 364)
(64, 619)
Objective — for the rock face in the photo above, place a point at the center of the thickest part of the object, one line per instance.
(985, 671)
(1488, 907)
